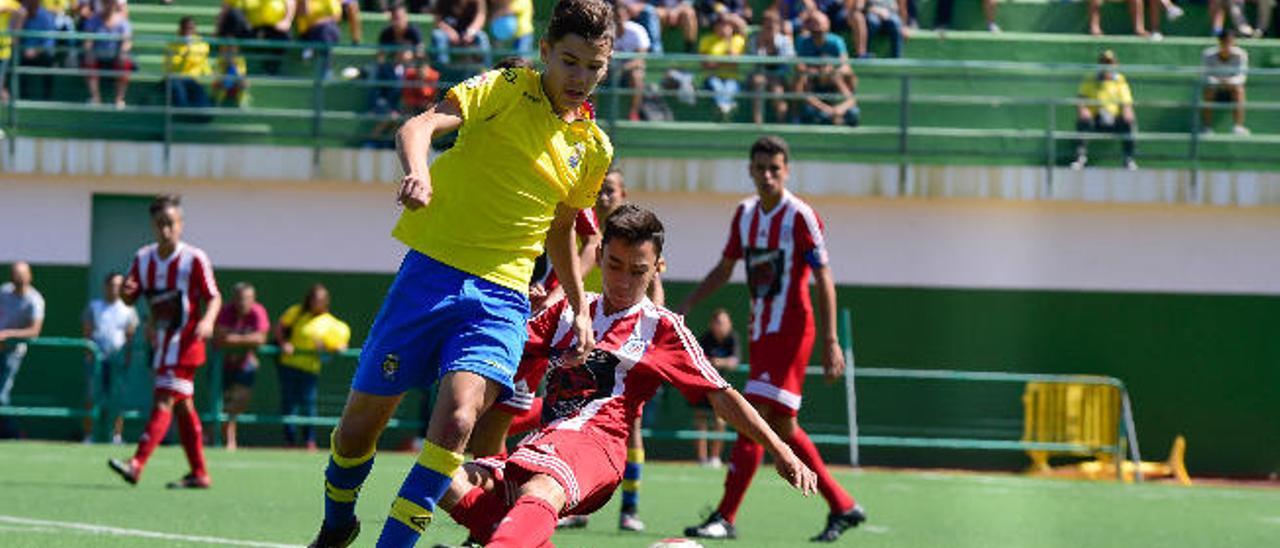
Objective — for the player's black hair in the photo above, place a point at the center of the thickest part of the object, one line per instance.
(513, 62)
(593, 20)
(720, 311)
(246, 286)
(165, 201)
(186, 20)
(635, 225)
(110, 275)
(771, 145)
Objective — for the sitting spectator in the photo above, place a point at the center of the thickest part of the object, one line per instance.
(942, 18)
(232, 22)
(109, 53)
(185, 61)
(1106, 106)
(678, 14)
(720, 346)
(270, 20)
(883, 17)
(38, 52)
(1156, 8)
(241, 327)
(1135, 14)
(1225, 70)
(459, 23)
(404, 89)
(398, 35)
(722, 80)
(1219, 10)
(826, 82)
(21, 317)
(231, 78)
(842, 16)
(111, 325)
(770, 41)
(738, 12)
(511, 24)
(351, 14)
(12, 19)
(305, 333)
(630, 37)
(317, 23)
(646, 15)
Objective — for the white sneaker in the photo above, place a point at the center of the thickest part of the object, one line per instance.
(571, 522)
(1080, 162)
(1130, 164)
(714, 462)
(1240, 130)
(993, 28)
(629, 522)
(117, 440)
(1173, 13)
(1156, 37)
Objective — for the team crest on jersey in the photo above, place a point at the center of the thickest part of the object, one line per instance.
(390, 366)
(576, 158)
(635, 346)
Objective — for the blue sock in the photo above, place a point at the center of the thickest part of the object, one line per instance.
(342, 480)
(631, 481)
(426, 483)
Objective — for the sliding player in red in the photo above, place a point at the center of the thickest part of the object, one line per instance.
(780, 238)
(574, 463)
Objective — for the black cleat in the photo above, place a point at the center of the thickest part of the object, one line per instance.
(339, 537)
(715, 527)
(837, 524)
(190, 481)
(126, 470)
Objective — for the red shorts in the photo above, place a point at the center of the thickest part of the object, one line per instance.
(581, 464)
(778, 363)
(124, 64)
(178, 380)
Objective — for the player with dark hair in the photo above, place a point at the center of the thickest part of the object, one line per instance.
(529, 155)
(779, 237)
(174, 278)
(573, 464)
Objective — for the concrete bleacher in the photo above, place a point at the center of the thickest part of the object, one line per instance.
(958, 115)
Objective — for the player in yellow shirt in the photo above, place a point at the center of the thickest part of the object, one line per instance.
(528, 156)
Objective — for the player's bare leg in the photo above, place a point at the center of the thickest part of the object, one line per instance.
(352, 450)
(462, 397)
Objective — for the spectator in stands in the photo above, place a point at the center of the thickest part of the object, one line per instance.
(842, 16)
(111, 325)
(109, 53)
(1225, 70)
(1135, 14)
(828, 87)
(737, 12)
(678, 14)
(943, 16)
(270, 20)
(1219, 9)
(12, 19)
(186, 60)
(720, 346)
(460, 23)
(241, 327)
(21, 317)
(305, 333)
(406, 87)
(38, 52)
(1106, 106)
(351, 14)
(398, 35)
(232, 22)
(646, 15)
(317, 23)
(630, 37)
(770, 41)
(511, 25)
(881, 17)
(1155, 8)
(231, 78)
(722, 79)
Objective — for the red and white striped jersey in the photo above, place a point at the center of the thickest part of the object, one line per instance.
(780, 248)
(174, 289)
(637, 350)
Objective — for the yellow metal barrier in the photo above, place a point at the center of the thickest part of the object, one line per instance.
(1086, 415)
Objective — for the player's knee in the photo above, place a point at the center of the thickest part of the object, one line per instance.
(546, 488)
(782, 424)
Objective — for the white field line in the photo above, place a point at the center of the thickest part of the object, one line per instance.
(137, 533)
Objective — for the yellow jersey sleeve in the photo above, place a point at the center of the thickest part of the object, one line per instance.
(597, 155)
(486, 94)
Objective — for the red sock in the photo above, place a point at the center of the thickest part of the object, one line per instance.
(743, 463)
(192, 435)
(530, 523)
(837, 498)
(157, 427)
(530, 420)
(479, 511)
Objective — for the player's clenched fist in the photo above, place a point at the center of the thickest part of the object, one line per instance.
(415, 191)
(797, 474)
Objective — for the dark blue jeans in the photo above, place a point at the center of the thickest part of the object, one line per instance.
(297, 397)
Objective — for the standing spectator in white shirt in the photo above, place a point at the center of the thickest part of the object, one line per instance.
(111, 325)
(21, 317)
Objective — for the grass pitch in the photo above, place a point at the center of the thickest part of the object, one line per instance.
(64, 495)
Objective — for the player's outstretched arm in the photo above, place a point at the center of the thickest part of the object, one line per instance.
(714, 280)
(562, 249)
(832, 354)
(413, 143)
(734, 409)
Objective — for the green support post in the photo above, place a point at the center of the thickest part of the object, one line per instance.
(851, 396)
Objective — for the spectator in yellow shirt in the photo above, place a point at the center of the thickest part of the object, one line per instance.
(305, 333)
(724, 41)
(317, 21)
(269, 20)
(1106, 106)
(186, 60)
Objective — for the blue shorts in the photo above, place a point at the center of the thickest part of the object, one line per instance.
(437, 319)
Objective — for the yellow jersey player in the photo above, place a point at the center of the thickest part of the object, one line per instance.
(528, 156)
